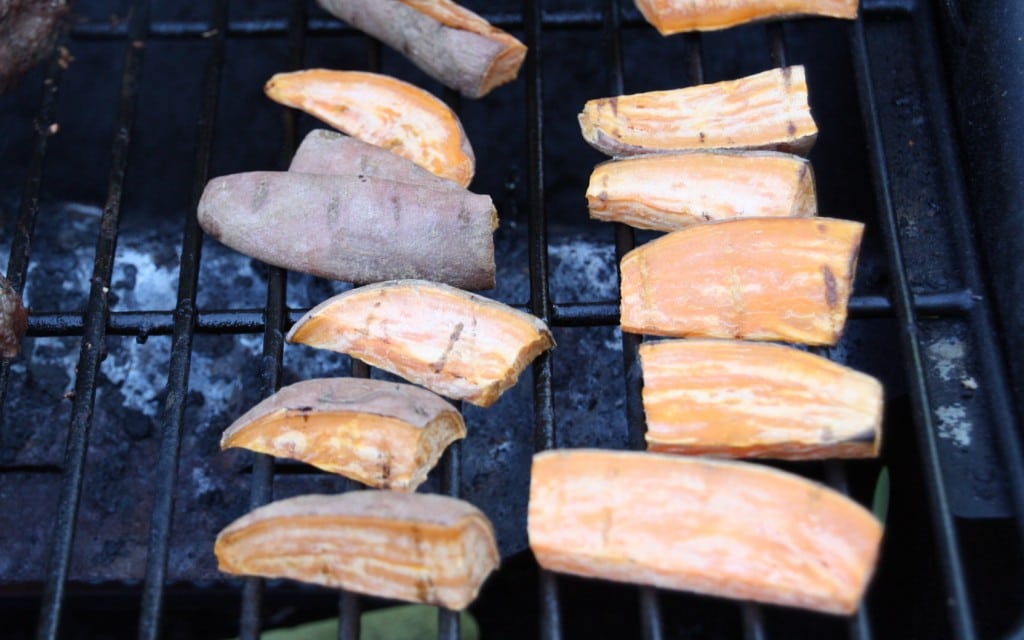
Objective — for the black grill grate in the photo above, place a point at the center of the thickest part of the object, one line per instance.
(908, 305)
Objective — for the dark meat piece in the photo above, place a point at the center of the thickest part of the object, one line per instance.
(28, 31)
(13, 320)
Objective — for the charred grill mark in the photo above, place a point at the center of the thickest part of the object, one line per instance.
(831, 294)
(791, 128)
(614, 102)
(452, 339)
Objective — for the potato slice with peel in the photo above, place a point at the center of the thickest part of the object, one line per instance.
(407, 546)
(717, 527)
(382, 434)
(383, 111)
(743, 399)
(767, 110)
(671, 16)
(458, 344)
(786, 279)
(672, 191)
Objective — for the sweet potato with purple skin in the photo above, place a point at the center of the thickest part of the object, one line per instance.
(332, 153)
(451, 44)
(354, 228)
(672, 16)
(13, 320)
(408, 546)
(382, 434)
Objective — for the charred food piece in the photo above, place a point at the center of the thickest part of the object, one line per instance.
(724, 528)
(28, 33)
(382, 434)
(666, 192)
(742, 399)
(451, 44)
(13, 320)
(767, 110)
(786, 279)
(383, 111)
(332, 153)
(355, 228)
(670, 16)
(455, 343)
(407, 546)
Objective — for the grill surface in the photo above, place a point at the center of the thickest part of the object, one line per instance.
(182, 104)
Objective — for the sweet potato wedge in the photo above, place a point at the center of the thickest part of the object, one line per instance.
(408, 546)
(673, 191)
(332, 153)
(786, 279)
(451, 44)
(668, 16)
(755, 400)
(767, 110)
(455, 343)
(383, 111)
(354, 228)
(382, 434)
(724, 528)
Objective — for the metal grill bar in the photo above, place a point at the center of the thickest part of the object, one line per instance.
(958, 602)
(181, 348)
(92, 346)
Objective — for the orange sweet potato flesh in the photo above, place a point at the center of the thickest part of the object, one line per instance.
(383, 111)
(666, 192)
(724, 528)
(447, 41)
(742, 399)
(457, 344)
(784, 279)
(672, 16)
(382, 434)
(407, 546)
(767, 110)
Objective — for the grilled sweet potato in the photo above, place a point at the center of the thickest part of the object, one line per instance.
(669, 16)
(749, 400)
(383, 111)
(450, 43)
(454, 343)
(383, 434)
(333, 153)
(13, 320)
(354, 228)
(408, 546)
(723, 528)
(786, 279)
(672, 191)
(767, 110)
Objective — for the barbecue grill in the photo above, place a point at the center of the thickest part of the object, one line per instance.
(147, 339)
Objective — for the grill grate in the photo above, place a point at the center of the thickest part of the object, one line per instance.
(909, 306)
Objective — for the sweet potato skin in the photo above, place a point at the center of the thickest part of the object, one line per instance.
(785, 279)
(331, 153)
(13, 320)
(384, 111)
(669, 16)
(724, 528)
(767, 110)
(413, 547)
(354, 228)
(742, 399)
(457, 344)
(451, 44)
(673, 191)
(382, 434)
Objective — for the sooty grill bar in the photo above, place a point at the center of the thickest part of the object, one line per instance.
(967, 304)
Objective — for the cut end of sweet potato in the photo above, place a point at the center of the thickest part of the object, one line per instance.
(768, 110)
(741, 399)
(673, 191)
(383, 111)
(458, 344)
(670, 17)
(382, 434)
(413, 547)
(784, 279)
(723, 528)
